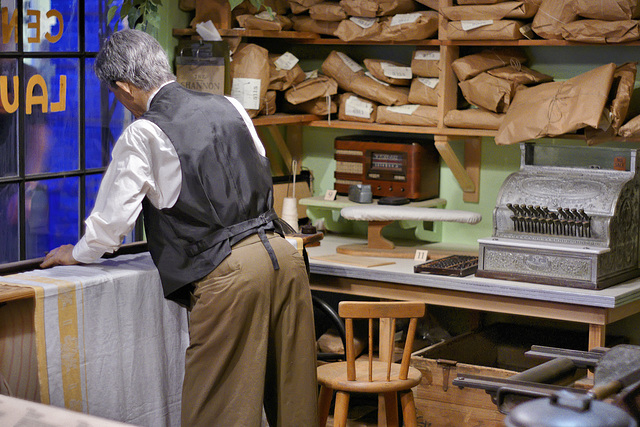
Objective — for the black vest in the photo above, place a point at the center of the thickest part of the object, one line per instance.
(226, 193)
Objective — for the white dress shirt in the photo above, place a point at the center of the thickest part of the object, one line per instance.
(144, 163)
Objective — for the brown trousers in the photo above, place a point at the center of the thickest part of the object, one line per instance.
(252, 342)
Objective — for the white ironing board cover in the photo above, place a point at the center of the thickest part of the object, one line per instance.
(409, 213)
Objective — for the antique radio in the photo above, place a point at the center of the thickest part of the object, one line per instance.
(569, 217)
(398, 167)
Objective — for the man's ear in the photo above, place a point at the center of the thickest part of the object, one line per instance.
(124, 86)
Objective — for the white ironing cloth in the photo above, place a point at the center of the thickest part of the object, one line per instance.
(409, 213)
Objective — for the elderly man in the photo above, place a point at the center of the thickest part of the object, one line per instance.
(195, 166)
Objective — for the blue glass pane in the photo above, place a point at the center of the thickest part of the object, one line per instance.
(8, 119)
(92, 184)
(9, 225)
(9, 41)
(50, 25)
(105, 119)
(52, 219)
(95, 27)
(52, 125)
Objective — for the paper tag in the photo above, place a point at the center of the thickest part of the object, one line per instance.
(286, 61)
(395, 71)
(421, 255)
(368, 74)
(266, 15)
(353, 65)
(427, 55)
(404, 18)
(247, 92)
(475, 23)
(430, 82)
(363, 22)
(311, 74)
(330, 195)
(408, 109)
(357, 108)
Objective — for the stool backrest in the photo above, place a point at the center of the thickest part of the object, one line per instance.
(350, 310)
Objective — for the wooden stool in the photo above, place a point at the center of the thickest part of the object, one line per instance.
(384, 378)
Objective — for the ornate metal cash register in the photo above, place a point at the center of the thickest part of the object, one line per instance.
(568, 217)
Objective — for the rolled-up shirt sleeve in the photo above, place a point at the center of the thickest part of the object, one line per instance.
(144, 163)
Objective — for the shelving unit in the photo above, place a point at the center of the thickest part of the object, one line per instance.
(466, 170)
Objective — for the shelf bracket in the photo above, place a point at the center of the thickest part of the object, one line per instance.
(289, 149)
(467, 175)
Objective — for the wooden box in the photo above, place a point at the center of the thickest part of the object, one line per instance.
(495, 351)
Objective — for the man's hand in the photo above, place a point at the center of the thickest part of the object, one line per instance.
(59, 256)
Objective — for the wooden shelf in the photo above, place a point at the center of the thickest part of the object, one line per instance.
(377, 127)
(284, 119)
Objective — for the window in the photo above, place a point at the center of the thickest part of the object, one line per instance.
(57, 124)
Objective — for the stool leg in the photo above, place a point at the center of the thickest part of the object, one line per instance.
(391, 407)
(408, 409)
(324, 405)
(341, 409)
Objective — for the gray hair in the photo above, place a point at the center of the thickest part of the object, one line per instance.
(135, 57)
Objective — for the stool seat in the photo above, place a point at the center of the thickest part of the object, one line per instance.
(334, 376)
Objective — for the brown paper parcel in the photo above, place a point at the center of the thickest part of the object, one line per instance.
(489, 92)
(411, 115)
(280, 79)
(382, 93)
(424, 90)
(631, 129)
(342, 69)
(252, 22)
(356, 109)
(310, 89)
(419, 25)
(327, 11)
(471, 65)
(473, 118)
(349, 31)
(504, 29)
(469, 2)
(597, 31)
(377, 68)
(250, 63)
(607, 10)
(556, 108)
(552, 16)
(373, 8)
(269, 107)
(521, 75)
(426, 62)
(305, 23)
(509, 9)
(617, 105)
(322, 106)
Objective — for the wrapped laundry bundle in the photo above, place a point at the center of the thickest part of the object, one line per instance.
(480, 1)
(607, 10)
(250, 77)
(302, 6)
(411, 115)
(356, 109)
(473, 118)
(521, 75)
(508, 9)
(389, 72)
(504, 29)
(310, 89)
(469, 66)
(631, 129)
(598, 31)
(279, 7)
(426, 62)
(373, 8)
(424, 90)
(556, 108)
(322, 106)
(419, 25)
(617, 105)
(358, 29)
(265, 21)
(327, 11)
(269, 107)
(305, 23)
(380, 92)
(489, 92)
(284, 71)
(342, 69)
(551, 17)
